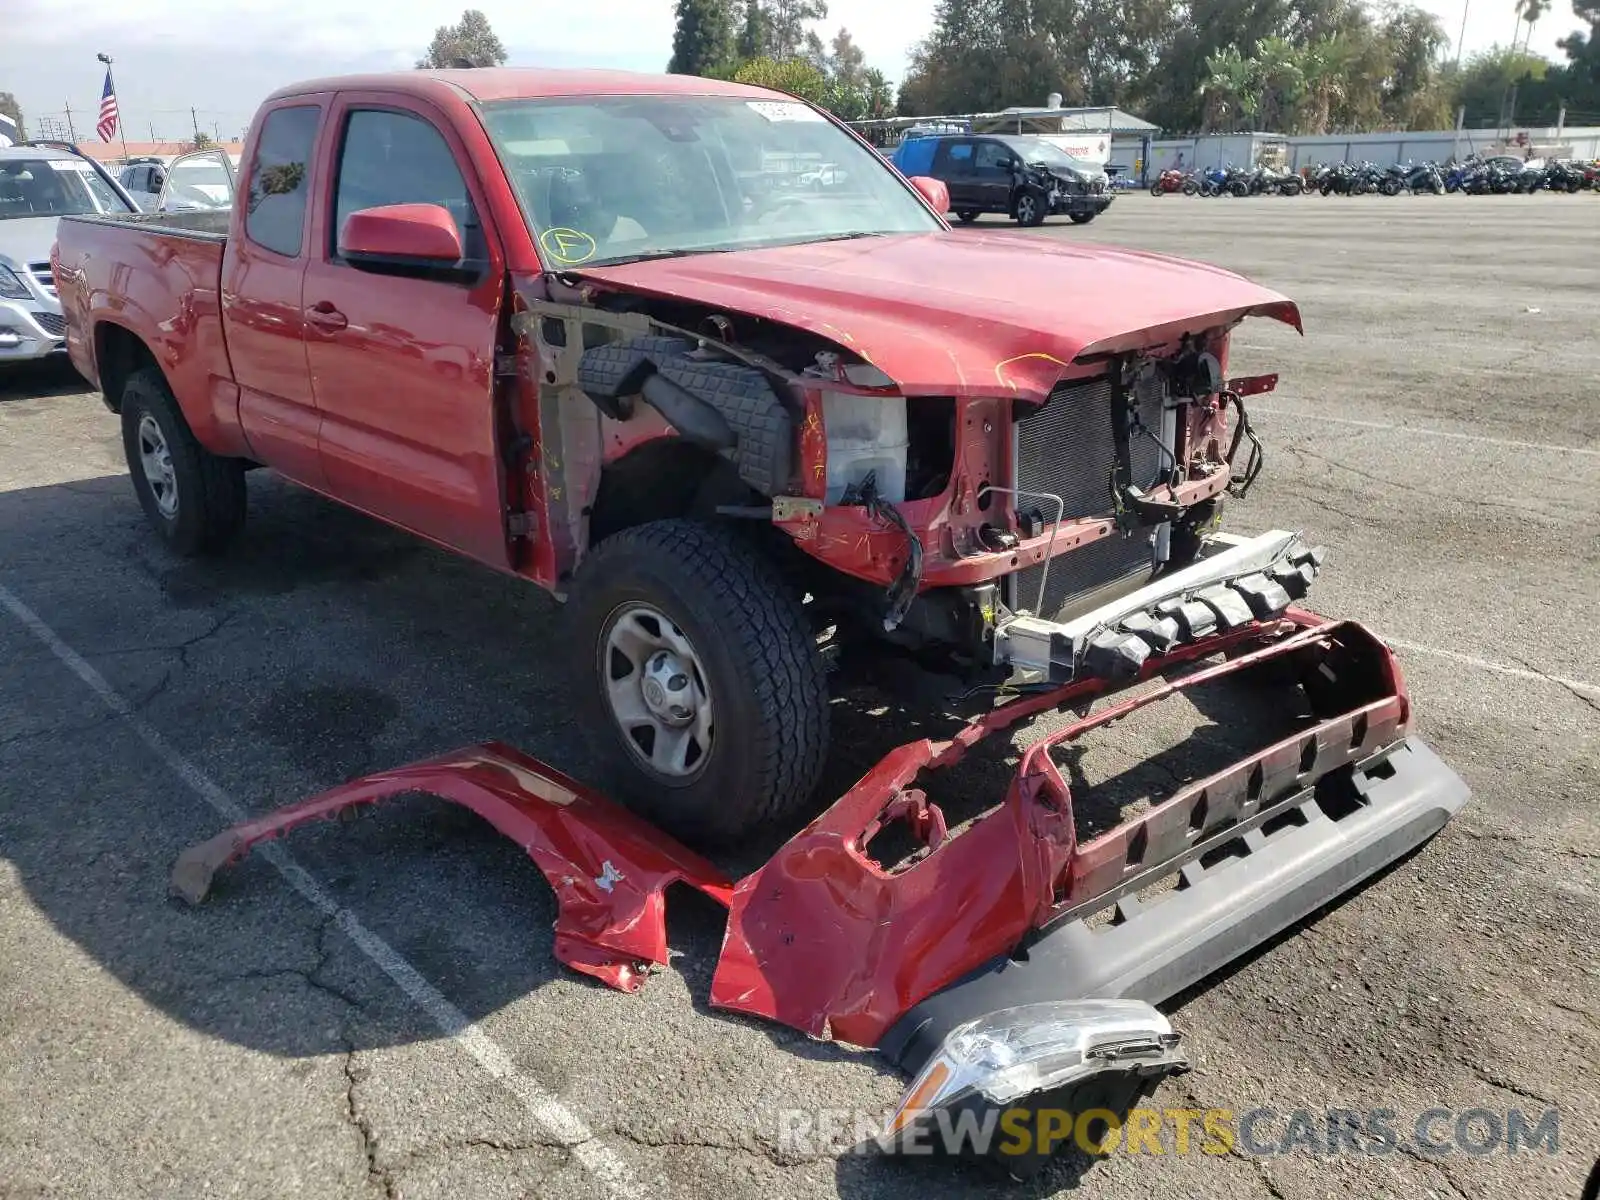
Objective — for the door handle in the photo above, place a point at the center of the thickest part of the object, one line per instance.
(326, 317)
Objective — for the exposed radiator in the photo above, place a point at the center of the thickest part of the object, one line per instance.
(1068, 448)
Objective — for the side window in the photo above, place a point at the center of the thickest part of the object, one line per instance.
(276, 212)
(992, 158)
(397, 158)
(957, 157)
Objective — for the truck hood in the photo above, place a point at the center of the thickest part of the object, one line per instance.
(27, 239)
(958, 313)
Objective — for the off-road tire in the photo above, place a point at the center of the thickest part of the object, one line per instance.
(761, 664)
(210, 488)
(967, 215)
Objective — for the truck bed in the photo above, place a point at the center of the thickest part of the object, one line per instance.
(205, 224)
(149, 284)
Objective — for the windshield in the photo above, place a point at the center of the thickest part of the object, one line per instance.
(608, 179)
(1037, 150)
(54, 187)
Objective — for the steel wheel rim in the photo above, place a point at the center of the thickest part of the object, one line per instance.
(155, 457)
(656, 690)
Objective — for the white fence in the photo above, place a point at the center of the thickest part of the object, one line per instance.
(1381, 148)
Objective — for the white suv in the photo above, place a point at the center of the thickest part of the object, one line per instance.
(38, 186)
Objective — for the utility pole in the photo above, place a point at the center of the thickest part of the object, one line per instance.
(195, 121)
(1466, 7)
(122, 124)
(72, 134)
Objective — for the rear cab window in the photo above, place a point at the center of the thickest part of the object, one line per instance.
(275, 212)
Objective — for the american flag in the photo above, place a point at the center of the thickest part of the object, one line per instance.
(107, 124)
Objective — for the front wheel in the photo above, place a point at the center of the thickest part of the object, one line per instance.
(967, 215)
(193, 498)
(1030, 209)
(1190, 188)
(702, 685)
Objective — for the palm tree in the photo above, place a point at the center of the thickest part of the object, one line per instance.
(1322, 67)
(1280, 78)
(1230, 87)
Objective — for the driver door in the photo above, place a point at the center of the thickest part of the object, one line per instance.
(993, 175)
(953, 164)
(402, 363)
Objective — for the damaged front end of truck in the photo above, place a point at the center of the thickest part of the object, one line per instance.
(1039, 505)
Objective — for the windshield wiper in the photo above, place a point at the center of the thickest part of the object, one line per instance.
(649, 256)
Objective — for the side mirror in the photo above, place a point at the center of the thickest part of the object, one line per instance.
(401, 238)
(934, 192)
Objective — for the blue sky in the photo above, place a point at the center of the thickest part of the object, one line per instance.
(222, 59)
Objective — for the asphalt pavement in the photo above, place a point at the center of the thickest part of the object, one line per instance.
(390, 1021)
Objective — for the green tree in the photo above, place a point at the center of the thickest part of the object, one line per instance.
(202, 141)
(786, 25)
(754, 33)
(702, 42)
(1281, 81)
(1412, 96)
(1229, 89)
(1322, 73)
(880, 95)
(792, 75)
(9, 106)
(469, 42)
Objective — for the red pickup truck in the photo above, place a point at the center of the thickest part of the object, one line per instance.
(619, 335)
(591, 329)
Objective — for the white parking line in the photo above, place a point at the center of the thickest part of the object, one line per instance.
(1484, 664)
(1438, 433)
(545, 1108)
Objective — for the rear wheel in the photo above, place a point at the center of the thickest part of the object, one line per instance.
(702, 683)
(1081, 218)
(193, 498)
(1030, 208)
(967, 215)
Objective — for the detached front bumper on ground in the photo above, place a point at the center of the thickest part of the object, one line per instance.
(1015, 909)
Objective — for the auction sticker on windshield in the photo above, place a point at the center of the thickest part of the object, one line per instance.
(70, 165)
(784, 110)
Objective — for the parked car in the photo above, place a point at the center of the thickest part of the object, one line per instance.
(823, 176)
(1026, 178)
(38, 186)
(142, 178)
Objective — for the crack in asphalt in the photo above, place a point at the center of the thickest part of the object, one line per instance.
(1416, 1155)
(1498, 1081)
(752, 1147)
(1521, 510)
(1255, 1161)
(377, 1174)
(1588, 701)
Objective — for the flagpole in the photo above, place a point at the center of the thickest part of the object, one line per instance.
(122, 125)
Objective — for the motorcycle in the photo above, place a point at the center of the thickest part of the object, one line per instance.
(1268, 181)
(1172, 181)
(1213, 180)
(1424, 177)
(1566, 177)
